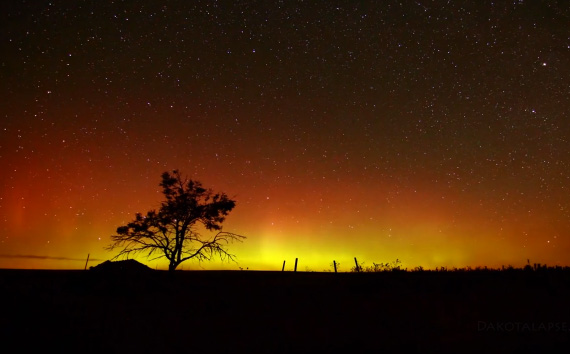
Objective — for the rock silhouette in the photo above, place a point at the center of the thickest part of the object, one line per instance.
(124, 266)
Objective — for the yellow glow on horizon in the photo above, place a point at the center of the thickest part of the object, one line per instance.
(417, 234)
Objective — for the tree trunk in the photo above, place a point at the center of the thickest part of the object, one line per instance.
(172, 267)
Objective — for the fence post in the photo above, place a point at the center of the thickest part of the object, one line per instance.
(296, 259)
(334, 263)
(283, 269)
(357, 266)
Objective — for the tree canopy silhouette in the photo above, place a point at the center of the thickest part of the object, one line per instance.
(172, 231)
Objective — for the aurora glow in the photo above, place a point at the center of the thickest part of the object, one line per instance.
(432, 132)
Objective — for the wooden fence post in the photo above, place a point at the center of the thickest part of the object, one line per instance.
(283, 269)
(334, 263)
(296, 259)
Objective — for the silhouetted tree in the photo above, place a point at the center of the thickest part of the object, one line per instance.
(171, 232)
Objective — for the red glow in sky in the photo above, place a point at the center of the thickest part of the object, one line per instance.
(436, 134)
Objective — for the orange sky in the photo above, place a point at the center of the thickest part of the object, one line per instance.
(436, 134)
(316, 223)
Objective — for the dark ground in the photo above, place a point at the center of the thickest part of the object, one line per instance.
(274, 312)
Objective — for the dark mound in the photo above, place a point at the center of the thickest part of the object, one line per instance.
(126, 266)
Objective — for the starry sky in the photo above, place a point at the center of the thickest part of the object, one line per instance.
(435, 132)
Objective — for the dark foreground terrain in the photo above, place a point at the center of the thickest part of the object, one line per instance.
(273, 312)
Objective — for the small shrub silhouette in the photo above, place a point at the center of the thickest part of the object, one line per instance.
(379, 267)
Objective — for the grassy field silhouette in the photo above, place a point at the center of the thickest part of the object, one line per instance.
(479, 310)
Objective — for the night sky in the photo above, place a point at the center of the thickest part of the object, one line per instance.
(435, 132)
